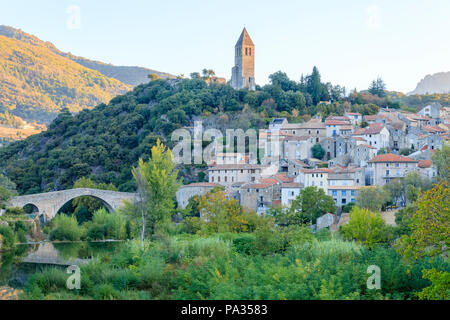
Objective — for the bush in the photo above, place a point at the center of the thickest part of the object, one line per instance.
(245, 244)
(66, 228)
(107, 226)
(8, 237)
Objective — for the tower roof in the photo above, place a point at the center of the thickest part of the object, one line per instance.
(244, 39)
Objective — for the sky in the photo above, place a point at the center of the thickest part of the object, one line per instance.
(352, 42)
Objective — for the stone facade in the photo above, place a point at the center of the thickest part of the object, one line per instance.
(195, 189)
(243, 73)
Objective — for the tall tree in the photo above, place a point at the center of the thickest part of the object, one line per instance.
(441, 159)
(312, 203)
(430, 225)
(364, 226)
(157, 184)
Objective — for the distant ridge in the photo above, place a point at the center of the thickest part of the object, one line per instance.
(431, 84)
(129, 75)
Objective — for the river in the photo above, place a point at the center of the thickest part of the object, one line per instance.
(18, 265)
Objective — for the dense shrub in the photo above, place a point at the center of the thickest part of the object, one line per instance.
(107, 226)
(66, 228)
(8, 237)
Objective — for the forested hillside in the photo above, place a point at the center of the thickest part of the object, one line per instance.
(105, 142)
(35, 83)
(128, 75)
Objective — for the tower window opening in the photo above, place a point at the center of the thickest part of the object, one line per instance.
(246, 51)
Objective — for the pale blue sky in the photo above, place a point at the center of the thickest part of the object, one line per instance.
(351, 41)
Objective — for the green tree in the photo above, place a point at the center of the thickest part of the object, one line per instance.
(317, 151)
(439, 288)
(372, 198)
(157, 186)
(378, 88)
(441, 159)
(7, 190)
(364, 226)
(221, 214)
(311, 204)
(430, 225)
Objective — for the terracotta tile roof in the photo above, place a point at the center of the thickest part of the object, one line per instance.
(314, 124)
(367, 146)
(202, 184)
(370, 118)
(291, 126)
(425, 163)
(335, 123)
(318, 170)
(238, 167)
(257, 186)
(345, 187)
(283, 178)
(373, 128)
(270, 181)
(291, 185)
(360, 138)
(347, 127)
(390, 157)
(433, 129)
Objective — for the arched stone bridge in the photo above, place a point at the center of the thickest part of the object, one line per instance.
(49, 203)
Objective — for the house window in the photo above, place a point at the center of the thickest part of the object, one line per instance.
(353, 200)
(246, 51)
(344, 201)
(225, 179)
(250, 50)
(334, 192)
(344, 193)
(212, 179)
(218, 179)
(352, 192)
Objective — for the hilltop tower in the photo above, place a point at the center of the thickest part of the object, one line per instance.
(243, 73)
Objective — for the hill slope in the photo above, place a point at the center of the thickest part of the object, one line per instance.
(35, 82)
(129, 75)
(436, 83)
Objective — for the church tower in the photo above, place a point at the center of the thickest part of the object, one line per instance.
(243, 74)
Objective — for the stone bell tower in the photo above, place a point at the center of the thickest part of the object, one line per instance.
(243, 74)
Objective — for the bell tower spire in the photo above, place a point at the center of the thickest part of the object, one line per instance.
(243, 73)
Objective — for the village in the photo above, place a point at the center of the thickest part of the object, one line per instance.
(357, 152)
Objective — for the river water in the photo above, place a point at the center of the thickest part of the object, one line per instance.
(18, 265)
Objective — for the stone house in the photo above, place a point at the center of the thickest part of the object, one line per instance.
(289, 192)
(386, 167)
(355, 118)
(375, 134)
(427, 170)
(343, 195)
(228, 174)
(195, 189)
(297, 147)
(316, 177)
(315, 129)
(259, 197)
(432, 111)
(362, 153)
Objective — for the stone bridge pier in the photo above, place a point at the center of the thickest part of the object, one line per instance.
(49, 203)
